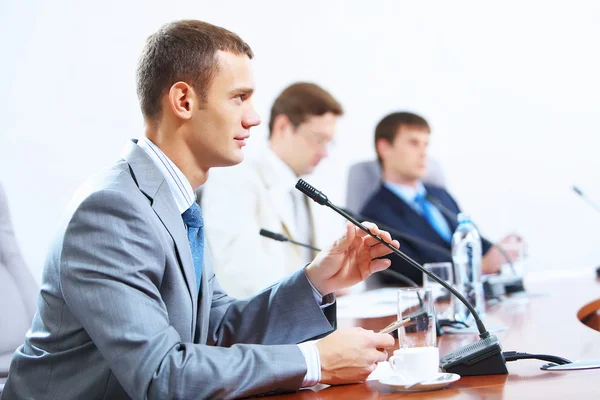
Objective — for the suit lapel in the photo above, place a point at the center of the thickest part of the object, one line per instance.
(204, 298)
(167, 211)
(278, 196)
(152, 183)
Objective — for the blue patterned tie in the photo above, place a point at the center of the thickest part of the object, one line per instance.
(193, 219)
(436, 223)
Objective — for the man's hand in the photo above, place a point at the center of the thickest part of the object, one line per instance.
(350, 260)
(513, 245)
(350, 355)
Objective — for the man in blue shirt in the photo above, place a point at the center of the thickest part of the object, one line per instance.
(405, 203)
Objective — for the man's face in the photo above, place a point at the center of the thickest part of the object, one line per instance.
(406, 157)
(222, 125)
(309, 142)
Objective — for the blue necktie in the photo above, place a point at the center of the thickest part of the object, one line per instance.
(193, 219)
(435, 223)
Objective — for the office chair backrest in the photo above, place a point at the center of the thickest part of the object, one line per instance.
(18, 291)
(364, 178)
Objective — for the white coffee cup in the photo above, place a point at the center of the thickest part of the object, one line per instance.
(413, 364)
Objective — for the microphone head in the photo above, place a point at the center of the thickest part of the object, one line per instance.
(311, 192)
(577, 190)
(273, 235)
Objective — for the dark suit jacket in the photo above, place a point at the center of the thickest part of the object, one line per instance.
(390, 210)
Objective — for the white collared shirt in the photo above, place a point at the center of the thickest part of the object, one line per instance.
(180, 186)
(286, 178)
(184, 197)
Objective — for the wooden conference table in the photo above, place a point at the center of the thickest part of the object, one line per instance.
(545, 321)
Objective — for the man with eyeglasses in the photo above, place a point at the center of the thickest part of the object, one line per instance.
(260, 195)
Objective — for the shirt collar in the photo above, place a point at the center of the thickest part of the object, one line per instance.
(283, 174)
(180, 186)
(406, 193)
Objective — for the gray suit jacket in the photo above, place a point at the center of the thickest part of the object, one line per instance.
(117, 314)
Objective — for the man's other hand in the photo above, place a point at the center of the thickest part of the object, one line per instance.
(350, 355)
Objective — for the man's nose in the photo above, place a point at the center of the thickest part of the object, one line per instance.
(252, 119)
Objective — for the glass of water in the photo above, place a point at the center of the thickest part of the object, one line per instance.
(442, 298)
(416, 305)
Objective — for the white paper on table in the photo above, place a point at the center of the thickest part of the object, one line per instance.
(383, 370)
(473, 329)
(376, 303)
(370, 304)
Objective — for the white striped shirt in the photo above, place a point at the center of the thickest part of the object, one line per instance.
(180, 186)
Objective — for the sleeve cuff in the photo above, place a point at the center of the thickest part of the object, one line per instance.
(325, 301)
(313, 363)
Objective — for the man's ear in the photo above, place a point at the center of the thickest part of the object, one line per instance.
(182, 100)
(281, 125)
(383, 148)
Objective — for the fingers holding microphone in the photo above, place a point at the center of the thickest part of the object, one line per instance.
(375, 249)
(374, 243)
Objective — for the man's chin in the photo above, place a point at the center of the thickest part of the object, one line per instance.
(421, 173)
(307, 171)
(234, 161)
(231, 161)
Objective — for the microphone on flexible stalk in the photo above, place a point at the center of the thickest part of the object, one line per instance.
(419, 316)
(396, 234)
(282, 238)
(481, 358)
(492, 288)
(592, 203)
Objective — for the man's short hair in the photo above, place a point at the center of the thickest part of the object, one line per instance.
(300, 101)
(182, 51)
(389, 127)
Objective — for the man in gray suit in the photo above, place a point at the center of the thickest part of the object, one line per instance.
(129, 304)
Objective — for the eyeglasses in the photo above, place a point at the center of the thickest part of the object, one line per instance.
(318, 140)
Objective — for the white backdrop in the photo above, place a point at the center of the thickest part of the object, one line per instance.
(511, 91)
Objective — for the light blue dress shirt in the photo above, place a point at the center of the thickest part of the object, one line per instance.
(410, 194)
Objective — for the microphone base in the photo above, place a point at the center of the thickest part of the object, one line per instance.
(496, 286)
(481, 358)
(493, 290)
(515, 286)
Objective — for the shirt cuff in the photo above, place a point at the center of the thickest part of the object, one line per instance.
(323, 302)
(313, 363)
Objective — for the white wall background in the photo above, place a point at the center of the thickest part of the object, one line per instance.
(510, 89)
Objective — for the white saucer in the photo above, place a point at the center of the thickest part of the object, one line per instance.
(399, 384)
